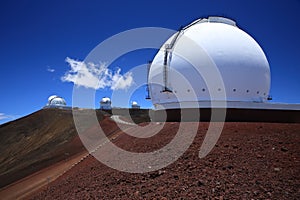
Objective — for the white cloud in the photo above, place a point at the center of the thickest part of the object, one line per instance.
(49, 69)
(120, 82)
(6, 118)
(3, 116)
(96, 76)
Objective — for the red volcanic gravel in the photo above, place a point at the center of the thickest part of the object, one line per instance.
(249, 161)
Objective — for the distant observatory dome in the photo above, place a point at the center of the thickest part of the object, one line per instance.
(135, 105)
(105, 103)
(105, 100)
(240, 60)
(55, 100)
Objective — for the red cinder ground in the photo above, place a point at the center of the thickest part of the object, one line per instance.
(249, 161)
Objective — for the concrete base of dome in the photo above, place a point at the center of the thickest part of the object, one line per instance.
(58, 107)
(232, 115)
(227, 104)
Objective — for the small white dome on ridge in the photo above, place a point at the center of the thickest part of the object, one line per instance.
(55, 100)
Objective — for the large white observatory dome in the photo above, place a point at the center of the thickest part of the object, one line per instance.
(182, 69)
(56, 101)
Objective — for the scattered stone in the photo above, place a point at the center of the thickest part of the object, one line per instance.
(258, 156)
(160, 172)
(277, 169)
(284, 149)
(227, 167)
(160, 188)
(200, 183)
(136, 194)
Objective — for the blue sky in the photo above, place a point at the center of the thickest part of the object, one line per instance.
(38, 36)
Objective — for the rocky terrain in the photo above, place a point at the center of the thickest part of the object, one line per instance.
(249, 161)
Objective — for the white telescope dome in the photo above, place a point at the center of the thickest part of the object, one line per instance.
(105, 103)
(105, 100)
(55, 100)
(240, 61)
(51, 97)
(135, 105)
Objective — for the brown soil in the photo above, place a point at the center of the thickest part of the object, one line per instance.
(36, 141)
(41, 146)
(32, 183)
(250, 161)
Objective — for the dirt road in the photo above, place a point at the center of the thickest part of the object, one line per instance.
(32, 183)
